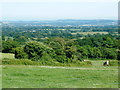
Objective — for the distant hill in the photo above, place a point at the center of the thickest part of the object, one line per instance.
(64, 22)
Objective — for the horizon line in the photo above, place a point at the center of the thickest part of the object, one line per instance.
(58, 19)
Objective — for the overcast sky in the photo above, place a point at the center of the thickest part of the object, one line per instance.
(58, 9)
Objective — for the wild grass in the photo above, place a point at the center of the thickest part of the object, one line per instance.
(7, 55)
(29, 76)
(41, 77)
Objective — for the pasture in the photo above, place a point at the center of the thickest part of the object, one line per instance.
(91, 33)
(54, 77)
(28, 76)
(6, 55)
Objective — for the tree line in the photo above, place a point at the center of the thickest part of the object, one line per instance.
(64, 50)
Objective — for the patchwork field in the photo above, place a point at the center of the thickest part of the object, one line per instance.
(91, 33)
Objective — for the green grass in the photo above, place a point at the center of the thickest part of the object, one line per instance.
(41, 77)
(0, 77)
(7, 55)
(95, 76)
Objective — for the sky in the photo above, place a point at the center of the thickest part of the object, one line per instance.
(58, 9)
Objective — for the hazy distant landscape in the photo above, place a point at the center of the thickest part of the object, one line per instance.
(59, 44)
(60, 54)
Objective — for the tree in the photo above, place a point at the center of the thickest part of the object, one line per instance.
(21, 39)
(37, 50)
(97, 53)
(83, 51)
(107, 42)
(109, 53)
(58, 45)
(8, 46)
(20, 54)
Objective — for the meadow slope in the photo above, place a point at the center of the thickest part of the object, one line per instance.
(46, 77)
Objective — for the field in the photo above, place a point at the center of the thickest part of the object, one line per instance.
(96, 76)
(7, 55)
(46, 77)
(91, 33)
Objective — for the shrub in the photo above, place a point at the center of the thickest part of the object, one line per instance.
(50, 63)
(20, 54)
(19, 62)
(36, 50)
(114, 63)
(8, 46)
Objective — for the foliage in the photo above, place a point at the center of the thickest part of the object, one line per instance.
(60, 44)
(20, 54)
(7, 61)
(19, 62)
(114, 63)
(36, 50)
(66, 50)
(8, 46)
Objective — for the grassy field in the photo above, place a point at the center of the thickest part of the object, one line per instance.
(91, 33)
(6, 55)
(42, 77)
(96, 76)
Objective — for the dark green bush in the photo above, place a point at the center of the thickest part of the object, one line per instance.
(20, 54)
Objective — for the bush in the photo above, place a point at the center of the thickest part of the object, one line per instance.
(50, 63)
(37, 50)
(114, 63)
(19, 62)
(8, 46)
(20, 54)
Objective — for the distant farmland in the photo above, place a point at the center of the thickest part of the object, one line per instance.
(91, 33)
